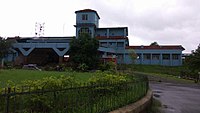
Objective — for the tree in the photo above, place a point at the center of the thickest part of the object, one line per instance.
(154, 44)
(4, 49)
(193, 62)
(84, 53)
(133, 55)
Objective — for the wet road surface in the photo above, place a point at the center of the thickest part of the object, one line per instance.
(177, 98)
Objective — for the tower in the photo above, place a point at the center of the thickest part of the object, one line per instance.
(87, 21)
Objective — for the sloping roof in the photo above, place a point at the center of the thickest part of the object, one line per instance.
(87, 10)
(159, 47)
(111, 37)
(114, 28)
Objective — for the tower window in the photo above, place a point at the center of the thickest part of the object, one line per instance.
(84, 17)
(84, 30)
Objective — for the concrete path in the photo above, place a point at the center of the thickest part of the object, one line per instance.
(177, 98)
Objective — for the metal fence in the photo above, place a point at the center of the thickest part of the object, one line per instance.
(87, 98)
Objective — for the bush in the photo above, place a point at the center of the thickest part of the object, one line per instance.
(107, 83)
(108, 66)
(61, 94)
(105, 78)
(82, 67)
(51, 83)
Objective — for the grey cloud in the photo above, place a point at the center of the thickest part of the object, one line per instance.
(177, 24)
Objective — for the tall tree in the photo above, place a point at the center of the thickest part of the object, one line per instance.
(193, 62)
(84, 52)
(4, 49)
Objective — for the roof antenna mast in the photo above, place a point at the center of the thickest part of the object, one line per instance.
(39, 29)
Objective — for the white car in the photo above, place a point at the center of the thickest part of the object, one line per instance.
(31, 66)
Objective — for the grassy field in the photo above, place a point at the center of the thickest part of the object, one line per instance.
(165, 73)
(157, 69)
(18, 75)
(165, 78)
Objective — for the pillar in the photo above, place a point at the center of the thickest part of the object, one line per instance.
(25, 60)
(107, 33)
(142, 57)
(180, 59)
(161, 58)
(60, 59)
(124, 32)
(171, 59)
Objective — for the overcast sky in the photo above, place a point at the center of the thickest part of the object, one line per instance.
(168, 22)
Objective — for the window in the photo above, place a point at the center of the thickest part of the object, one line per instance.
(147, 56)
(175, 56)
(84, 30)
(103, 44)
(166, 56)
(112, 44)
(155, 56)
(120, 44)
(84, 17)
(120, 56)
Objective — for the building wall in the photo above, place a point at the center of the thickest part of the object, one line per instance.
(115, 44)
(10, 57)
(91, 18)
(156, 57)
(111, 32)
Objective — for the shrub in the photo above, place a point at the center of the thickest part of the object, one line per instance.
(107, 78)
(108, 66)
(82, 67)
(107, 83)
(51, 83)
(39, 103)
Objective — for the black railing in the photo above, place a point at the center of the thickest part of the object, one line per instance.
(87, 98)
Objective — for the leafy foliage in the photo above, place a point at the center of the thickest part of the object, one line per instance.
(105, 78)
(84, 52)
(4, 47)
(154, 44)
(108, 66)
(133, 56)
(193, 63)
(102, 93)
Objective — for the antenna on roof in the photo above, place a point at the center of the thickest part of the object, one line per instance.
(39, 29)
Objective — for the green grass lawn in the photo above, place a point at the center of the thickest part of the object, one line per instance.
(166, 77)
(169, 70)
(18, 75)
(164, 72)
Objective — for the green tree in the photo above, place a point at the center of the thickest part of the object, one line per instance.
(4, 49)
(193, 62)
(84, 53)
(133, 55)
(154, 44)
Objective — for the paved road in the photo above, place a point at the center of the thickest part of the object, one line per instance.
(177, 98)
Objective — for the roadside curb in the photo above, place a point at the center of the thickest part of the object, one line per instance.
(137, 107)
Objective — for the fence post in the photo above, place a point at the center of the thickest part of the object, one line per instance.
(8, 99)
